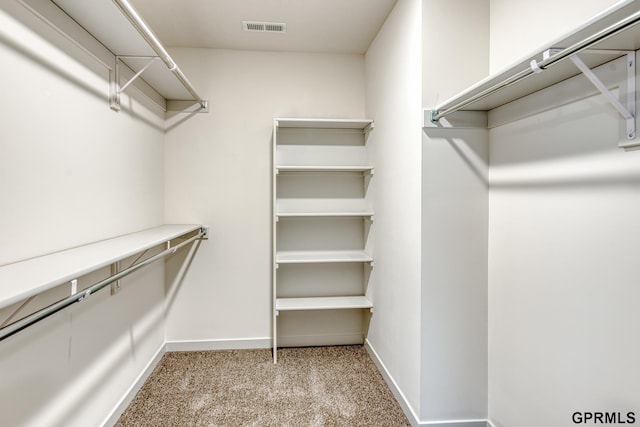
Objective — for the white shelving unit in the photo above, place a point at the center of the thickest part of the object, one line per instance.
(322, 219)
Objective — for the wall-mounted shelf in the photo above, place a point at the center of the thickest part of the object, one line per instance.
(316, 257)
(323, 303)
(615, 30)
(24, 279)
(318, 214)
(313, 168)
(363, 125)
(112, 32)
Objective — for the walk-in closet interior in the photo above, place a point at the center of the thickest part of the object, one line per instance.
(450, 186)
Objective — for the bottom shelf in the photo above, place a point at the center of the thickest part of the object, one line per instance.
(322, 303)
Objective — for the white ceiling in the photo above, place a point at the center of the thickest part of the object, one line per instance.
(338, 26)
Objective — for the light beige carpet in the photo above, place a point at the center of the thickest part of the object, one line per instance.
(314, 386)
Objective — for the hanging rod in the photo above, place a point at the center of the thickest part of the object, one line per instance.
(537, 67)
(136, 20)
(35, 317)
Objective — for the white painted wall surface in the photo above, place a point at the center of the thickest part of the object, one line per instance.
(455, 47)
(454, 220)
(218, 172)
(393, 70)
(521, 27)
(454, 274)
(72, 171)
(562, 270)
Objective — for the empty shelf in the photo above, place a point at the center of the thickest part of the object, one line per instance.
(322, 303)
(311, 257)
(105, 30)
(626, 40)
(332, 168)
(325, 123)
(319, 214)
(24, 279)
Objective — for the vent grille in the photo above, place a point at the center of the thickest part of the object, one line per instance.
(264, 27)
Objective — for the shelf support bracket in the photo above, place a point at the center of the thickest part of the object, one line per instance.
(627, 112)
(115, 286)
(116, 88)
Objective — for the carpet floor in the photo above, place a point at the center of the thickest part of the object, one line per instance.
(311, 386)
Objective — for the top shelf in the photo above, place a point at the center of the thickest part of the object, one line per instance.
(628, 39)
(24, 279)
(364, 125)
(100, 28)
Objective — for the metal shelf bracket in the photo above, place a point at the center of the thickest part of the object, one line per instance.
(627, 112)
(115, 87)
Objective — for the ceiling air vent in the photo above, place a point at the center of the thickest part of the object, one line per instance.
(264, 27)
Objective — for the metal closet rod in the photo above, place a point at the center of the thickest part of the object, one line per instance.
(136, 20)
(35, 317)
(537, 67)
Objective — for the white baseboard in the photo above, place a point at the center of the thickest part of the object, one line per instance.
(126, 400)
(245, 344)
(457, 423)
(397, 393)
(233, 344)
(230, 344)
(404, 403)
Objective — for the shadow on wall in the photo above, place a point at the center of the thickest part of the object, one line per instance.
(176, 268)
(462, 142)
(81, 354)
(32, 54)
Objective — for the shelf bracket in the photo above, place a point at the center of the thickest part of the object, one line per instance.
(115, 87)
(115, 286)
(627, 112)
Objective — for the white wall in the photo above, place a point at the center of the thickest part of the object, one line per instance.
(455, 47)
(454, 220)
(519, 28)
(562, 278)
(218, 172)
(563, 281)
(393, 70)
(72, 171)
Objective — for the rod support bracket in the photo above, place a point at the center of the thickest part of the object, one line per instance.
(628, 112)
(433, 116)
(115, 88)
(117, 285)
(86, 294)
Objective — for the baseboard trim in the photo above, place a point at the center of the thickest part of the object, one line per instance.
(229, 344)
(397, 393)
(406, 406)
(128, 397)
(457, 423)
(246, 344)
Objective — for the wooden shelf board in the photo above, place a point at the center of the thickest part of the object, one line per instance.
(316, 257)
(323, 214)
(324, 123)
(323, 303)
(315, 168)
(26, 278)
